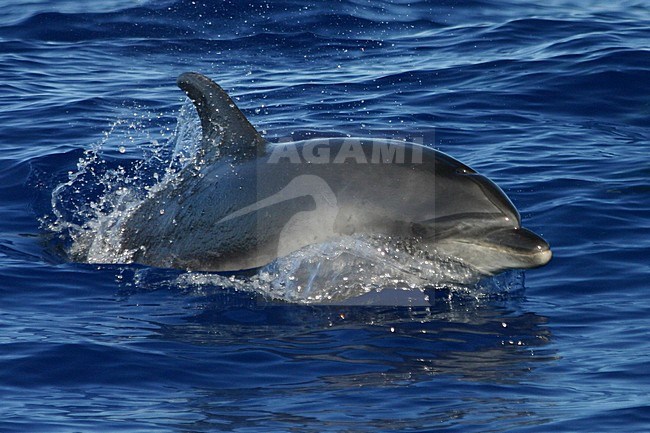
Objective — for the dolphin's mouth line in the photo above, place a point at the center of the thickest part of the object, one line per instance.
(500, 248)
(489, 258)
(514, 251)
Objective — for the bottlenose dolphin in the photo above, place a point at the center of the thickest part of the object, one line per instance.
(245, 202)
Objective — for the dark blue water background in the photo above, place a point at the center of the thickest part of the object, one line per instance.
(550, 101)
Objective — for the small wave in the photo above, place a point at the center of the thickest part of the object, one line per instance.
(78, 24)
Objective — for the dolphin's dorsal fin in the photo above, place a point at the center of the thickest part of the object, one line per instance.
(224, 126)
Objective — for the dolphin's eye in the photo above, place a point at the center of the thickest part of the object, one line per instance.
(465, 170)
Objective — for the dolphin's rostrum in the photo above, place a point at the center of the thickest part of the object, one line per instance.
(245, 202)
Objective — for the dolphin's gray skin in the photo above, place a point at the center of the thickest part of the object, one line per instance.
(246, 202)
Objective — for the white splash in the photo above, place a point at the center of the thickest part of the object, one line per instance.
(89, 208)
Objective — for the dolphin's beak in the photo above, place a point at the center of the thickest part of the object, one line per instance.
(522, 243)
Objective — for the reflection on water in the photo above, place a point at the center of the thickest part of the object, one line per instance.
(428, 356)
(455, 334)
(479, 343)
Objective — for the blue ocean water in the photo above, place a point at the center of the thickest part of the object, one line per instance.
(551, 101)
